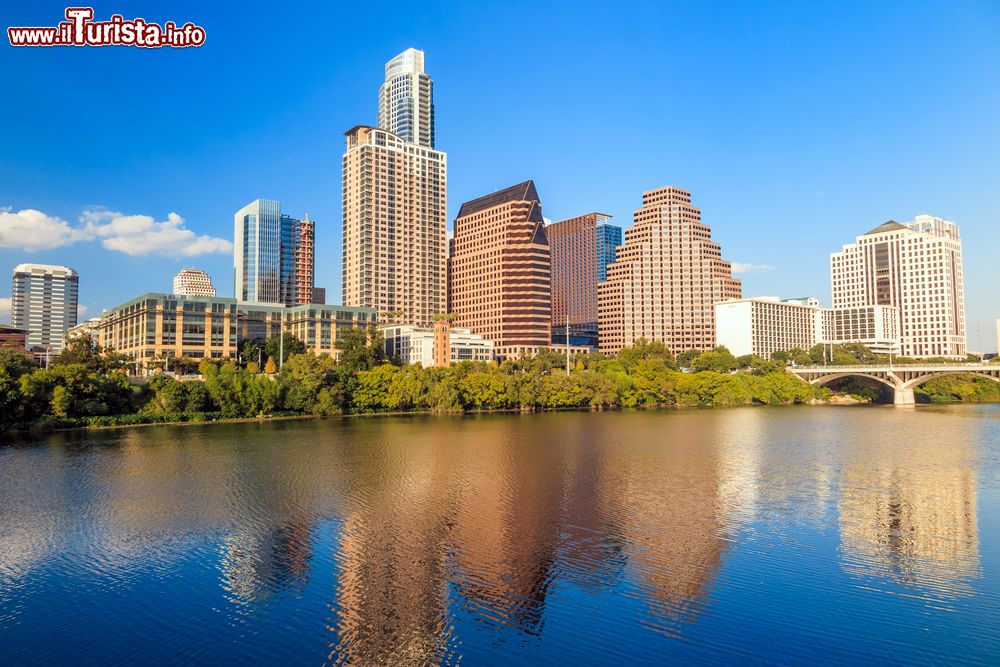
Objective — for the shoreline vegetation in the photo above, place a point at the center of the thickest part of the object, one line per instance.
(85, 387)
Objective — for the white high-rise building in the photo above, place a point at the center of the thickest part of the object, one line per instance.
(395, 252)
(406, 99)
(193, 282)
(915, 266)
(44, 301)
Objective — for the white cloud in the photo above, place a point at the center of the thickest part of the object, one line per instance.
(142, 235)
(80, 311)
(33, 230)
(744, 267)
(5, 309)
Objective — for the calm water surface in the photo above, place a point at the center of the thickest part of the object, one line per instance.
(784, 535)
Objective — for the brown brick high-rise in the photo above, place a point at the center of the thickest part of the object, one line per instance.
(666, 279)
(500, 271)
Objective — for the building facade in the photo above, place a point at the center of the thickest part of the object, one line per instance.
(581, 247)
(666, 278)
(44, 301)
(274, 255)
(762, 326)
(875, 327)
(156, 326)
(86, 329)
(765, 325)
(406, 99)
(500, 283)
(435, 346)
(395, 225)
(193, 282)
(13, 338)
(916, 267)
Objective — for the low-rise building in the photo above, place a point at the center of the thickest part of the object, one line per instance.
(13, 338)
(155, 326)
(426, 345)
(876, 327)
(84, 329)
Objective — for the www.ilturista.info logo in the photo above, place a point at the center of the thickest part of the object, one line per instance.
(80, 30)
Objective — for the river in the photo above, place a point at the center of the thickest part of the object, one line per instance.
(823, 535)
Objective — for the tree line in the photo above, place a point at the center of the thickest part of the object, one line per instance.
(85, 385)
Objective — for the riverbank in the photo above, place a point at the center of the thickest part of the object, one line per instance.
(106, 423)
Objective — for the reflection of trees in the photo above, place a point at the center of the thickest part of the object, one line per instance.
(908, 512)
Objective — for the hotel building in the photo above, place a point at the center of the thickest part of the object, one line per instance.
(666, 278)
(274, 255)
(44, 301)
(500, 272)
(156, 326)
(581, 247)
(916, 267)
(440, 345)
(193, 282)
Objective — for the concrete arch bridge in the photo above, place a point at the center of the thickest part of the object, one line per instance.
(902, 379)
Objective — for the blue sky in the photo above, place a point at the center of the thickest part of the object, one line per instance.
(796, 126)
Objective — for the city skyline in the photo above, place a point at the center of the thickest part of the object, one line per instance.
(119, 201)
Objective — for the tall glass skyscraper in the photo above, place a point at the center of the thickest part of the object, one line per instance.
(406, 99)
(273, 259)
(44, 301)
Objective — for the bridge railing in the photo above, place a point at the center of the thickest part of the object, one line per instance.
(973, 364)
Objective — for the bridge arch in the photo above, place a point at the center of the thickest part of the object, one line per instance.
(830, 377)
(915, 382)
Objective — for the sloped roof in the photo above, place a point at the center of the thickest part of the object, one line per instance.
(887, 226)
(520, 192)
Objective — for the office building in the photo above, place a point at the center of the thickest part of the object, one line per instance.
(666, 278)
(157, 326)
(44, 301)
(274, 255)
(582, 248)
(875, 327)
(916, 267)
(499, 271)
(395, 226)
(440, 345)
(406, 99)
(765, 325)
(193, 282)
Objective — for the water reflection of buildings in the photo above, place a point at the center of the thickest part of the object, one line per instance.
(908, 513)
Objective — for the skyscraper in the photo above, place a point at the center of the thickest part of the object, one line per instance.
(395, 203)
(193, 282)
(500, 271)
(666, 278)
(406, 99)
(44, 301)
(274, 256)
(582, 248)
(915, 266)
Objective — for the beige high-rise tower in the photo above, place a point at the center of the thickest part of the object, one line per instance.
(666, 279)
(395, 219)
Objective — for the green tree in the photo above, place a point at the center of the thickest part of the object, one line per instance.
(686, 358)
(719, 359)
(361, 348)
(629, 357)
(292, 346)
